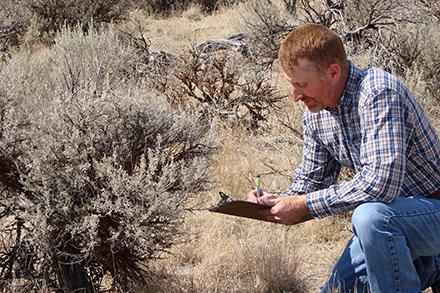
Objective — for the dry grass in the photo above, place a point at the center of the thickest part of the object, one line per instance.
(184, 30)
(228, 254)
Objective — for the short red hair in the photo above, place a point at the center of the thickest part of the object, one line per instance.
(314, 42)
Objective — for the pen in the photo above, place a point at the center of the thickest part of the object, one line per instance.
(258, 190)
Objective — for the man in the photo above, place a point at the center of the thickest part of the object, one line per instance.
(367, 120)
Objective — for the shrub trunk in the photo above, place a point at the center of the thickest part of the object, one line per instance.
(74, 278)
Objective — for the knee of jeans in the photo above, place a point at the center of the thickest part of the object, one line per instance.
(367, 218)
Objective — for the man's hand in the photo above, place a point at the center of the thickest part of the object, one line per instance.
(288, 210)
(267, 199)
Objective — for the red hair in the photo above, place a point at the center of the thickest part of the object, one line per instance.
(314, 42)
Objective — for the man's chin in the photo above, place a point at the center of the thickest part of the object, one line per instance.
(315, 108)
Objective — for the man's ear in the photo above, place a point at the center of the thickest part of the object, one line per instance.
(335, 71)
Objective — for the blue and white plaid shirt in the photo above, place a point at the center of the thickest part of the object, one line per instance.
(380, 131)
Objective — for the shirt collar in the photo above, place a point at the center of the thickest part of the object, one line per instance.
(351, 86)
(352, 83)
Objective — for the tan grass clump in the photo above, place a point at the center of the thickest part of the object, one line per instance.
(240, 256)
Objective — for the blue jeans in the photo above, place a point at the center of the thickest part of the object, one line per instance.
(395, 248)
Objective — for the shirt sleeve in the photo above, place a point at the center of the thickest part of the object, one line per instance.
(384, 136)
(318, 168)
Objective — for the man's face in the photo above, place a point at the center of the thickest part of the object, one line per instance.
(317, 89)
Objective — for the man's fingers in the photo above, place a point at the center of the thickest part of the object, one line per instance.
(271, 213)
(268, 200)
(252, 197)
(270, 216)
(287, 210)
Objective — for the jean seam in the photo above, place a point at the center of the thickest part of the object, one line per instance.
(396, 274)
(437, 268)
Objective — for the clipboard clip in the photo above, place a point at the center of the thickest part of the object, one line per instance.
(224, 199)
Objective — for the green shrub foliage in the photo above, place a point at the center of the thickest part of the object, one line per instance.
(95, 179)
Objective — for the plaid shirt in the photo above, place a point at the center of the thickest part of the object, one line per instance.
(381, 132)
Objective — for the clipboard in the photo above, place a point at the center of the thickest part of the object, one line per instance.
(240, 208)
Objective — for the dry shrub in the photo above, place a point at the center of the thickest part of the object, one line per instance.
(214, 5)
(420, 86)
(33, 21)
(163, 7)
(413, 48)
(432, 7)
(326, 13)
(52, 15)
(97, 175)
(99, 58)
(223, 85)
(166, 7)
(429, 61)
(151, 68)
(361, 18)
(77, 61)
(30, 77)
(13, 23)
(266, 24)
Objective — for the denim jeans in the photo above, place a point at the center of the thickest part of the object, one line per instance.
(395, 248)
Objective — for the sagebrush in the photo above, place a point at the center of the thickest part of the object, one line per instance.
(95, 176)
